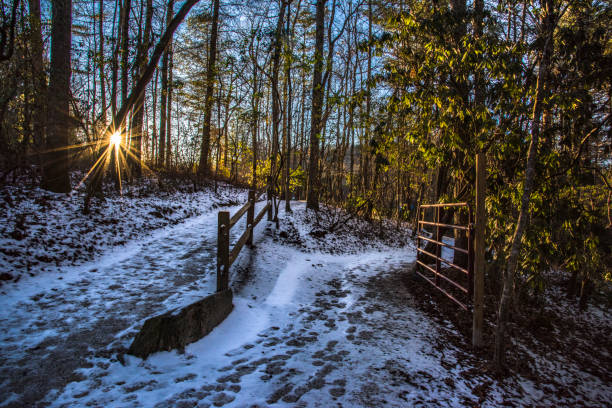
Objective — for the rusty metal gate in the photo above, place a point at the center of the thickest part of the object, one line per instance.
(454, 281)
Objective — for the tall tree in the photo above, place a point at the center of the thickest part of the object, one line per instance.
(169, 104)
(288, 99)
(276, 97)
(55, 176)
(38, 73)
(312, 198)
(101, 61)
(366, 149)
(547, 24)
(115, 57)
(7, 32)
(255, 97)
(203, 168)
(139, 67)
(163, 104)
(125, 51)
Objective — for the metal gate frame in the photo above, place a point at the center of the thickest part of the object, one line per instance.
(439, 244)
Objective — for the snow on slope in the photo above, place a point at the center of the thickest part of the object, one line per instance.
(42, 231)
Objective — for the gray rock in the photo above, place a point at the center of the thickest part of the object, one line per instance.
(177, 328)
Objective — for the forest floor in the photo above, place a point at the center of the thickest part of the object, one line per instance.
(320, 319)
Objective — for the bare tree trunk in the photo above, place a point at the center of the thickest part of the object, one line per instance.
(154, 141)
(288, 111)
(226, 119)
(352, 111)
(367, 149)
(458, 8)
(94, 96)
(284, 150)
(528, 186)
(163, 114)
(55, 175)
(218, 154)
(203, 168)
(38, 74)
(7, 31)
(302, 162)
(125, 37)
(312, 199)
(101, 62)
(115, 60)
(169, 102)
(255, 119)
(137, 121)
(178, 132)
(145, 78)
(272, 178)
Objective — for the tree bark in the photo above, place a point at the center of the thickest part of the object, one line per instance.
(38, 74)
(288, 114)
(255, 118)
(366, 148)
(125, 37)
(115, 60)
(203, 168)
(101, 62)
(154, 141)
(138, 119)
(169, 103)
(312, 199)
(7, 33)
(458, 8)
(272, 178)
(55, 176)
(163, 104)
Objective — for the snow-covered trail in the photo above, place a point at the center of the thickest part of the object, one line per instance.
(54, 323)
(309, 329)
(304, 331)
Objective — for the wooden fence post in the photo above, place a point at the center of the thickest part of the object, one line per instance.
(479, 250)
(270, 202)
(417, 226)
(251, 217)
(223, 251)
(438, 247)
(470, 239)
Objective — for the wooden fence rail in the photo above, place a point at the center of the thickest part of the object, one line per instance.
(225, 257)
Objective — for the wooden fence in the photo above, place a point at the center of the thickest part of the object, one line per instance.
(225, 257)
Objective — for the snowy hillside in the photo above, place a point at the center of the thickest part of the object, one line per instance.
(42, 231)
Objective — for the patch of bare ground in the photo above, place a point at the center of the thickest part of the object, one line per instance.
(546, 334)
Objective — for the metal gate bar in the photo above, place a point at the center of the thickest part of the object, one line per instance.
(437, 271)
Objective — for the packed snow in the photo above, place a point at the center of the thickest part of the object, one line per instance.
(321, 318)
